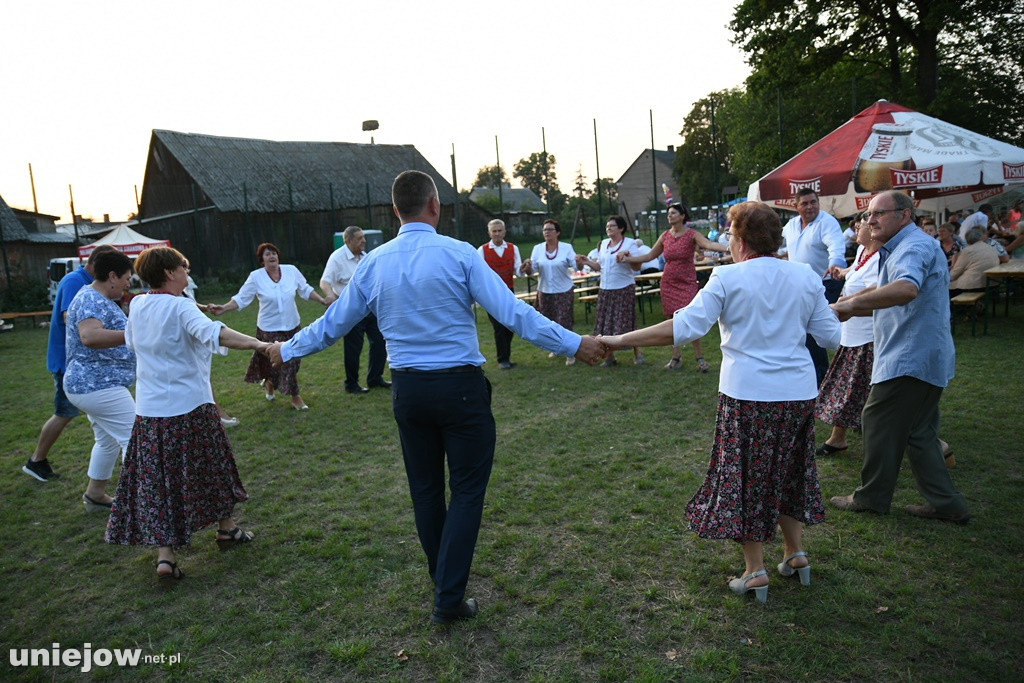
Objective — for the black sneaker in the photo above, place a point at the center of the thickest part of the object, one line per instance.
(40, 470)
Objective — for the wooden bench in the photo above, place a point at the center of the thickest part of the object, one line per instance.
(971, 300)
(528, 297)
(30, 315)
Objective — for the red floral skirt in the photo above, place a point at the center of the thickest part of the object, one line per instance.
(845, 386)
(178, 476)
(557, 307)
(285, 378)
(762, 465)
(616, 311)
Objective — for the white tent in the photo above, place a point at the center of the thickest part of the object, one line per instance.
(126, 240)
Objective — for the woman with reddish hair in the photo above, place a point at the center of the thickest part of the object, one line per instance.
(275, 286)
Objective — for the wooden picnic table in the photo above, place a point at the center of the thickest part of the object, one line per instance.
(1002, 275)
(33, 316)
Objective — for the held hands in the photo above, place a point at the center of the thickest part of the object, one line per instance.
(214, 309)
(273, 352)
(591, 350)
(622, 256)
(581, 260)
(843, 309)
(835, 272)
(527, 266)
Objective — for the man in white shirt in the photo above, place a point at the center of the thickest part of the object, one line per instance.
(340, 267)
(980, 218)
(503, 258)
(815, 238)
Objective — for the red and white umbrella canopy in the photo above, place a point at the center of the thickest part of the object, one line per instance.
(888, 146)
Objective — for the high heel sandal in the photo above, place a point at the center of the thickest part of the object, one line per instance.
(739, 586)
(702, 365)
(785, 569)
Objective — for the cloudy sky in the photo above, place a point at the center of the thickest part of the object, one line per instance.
(85, 83)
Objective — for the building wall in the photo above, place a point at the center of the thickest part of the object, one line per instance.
(635, 186)
(28, 262)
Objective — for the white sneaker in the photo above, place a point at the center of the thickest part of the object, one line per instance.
(638, 360)
(229, 421)
(571, 360)
(552, 354)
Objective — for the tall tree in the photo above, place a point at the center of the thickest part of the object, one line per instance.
(955, 59)
(537, 172)
(490, 176)
(695, 167)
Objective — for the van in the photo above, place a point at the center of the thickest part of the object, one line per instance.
(59, 267)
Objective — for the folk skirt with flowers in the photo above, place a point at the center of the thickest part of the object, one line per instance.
(845, 387)
(762, 465)
(557, 307)
(616, 311)
(285, 378)
(178, 476)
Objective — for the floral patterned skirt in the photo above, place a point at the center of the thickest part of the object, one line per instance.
(616, 311)
(845, 386)
(285, 378)
(178, 476)
(557, 307)
(762, 465)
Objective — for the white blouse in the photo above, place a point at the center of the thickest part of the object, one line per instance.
(278, 312)
(765, 308)
(554, 272)
(860, 330)
(615, 275)
(173, 343)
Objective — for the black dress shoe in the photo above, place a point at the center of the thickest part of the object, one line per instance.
(506, 365)
(382, 383)
(356, 389)
(467, 610)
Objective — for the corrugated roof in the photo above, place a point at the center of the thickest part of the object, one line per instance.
(221, 165)
(12, 228)
(50, 238)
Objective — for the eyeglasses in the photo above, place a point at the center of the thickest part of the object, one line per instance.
(728, 234)
(868, 215)
(548, 230)
(184, 264)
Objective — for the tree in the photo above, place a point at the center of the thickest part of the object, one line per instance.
(490, 176)
(609, 195)
(957, 60)
(537, 172)
(695, 169)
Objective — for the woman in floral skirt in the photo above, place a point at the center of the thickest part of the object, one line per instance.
(762, 472)
(179, 473)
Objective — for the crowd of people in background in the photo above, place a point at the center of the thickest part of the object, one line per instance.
(787, 296)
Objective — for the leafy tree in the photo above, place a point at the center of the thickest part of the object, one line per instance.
(609, 196)
(695, 169)
(492, 203)
(537, 172)
(490, 176)
(957, 60)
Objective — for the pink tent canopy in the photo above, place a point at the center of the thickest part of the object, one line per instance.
(126, 240)
(888, 146)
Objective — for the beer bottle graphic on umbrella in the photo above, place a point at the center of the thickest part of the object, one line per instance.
(887, 148)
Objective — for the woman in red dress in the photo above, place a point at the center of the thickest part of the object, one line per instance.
(679, 280)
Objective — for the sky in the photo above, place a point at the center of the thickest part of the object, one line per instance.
(85, 83)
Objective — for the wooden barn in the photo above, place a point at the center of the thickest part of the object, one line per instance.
(217, 198)
(25, 252)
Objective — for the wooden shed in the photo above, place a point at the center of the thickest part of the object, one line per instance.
(25, 254)
(217, 198)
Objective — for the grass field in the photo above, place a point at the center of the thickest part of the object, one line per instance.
(585, 568)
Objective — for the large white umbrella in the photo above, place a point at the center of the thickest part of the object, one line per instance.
(887, 146)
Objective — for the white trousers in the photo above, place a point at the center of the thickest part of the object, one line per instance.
(112, 414)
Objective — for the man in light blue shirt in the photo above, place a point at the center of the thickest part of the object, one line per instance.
(914, 361)
(421, 286)
(815, 238)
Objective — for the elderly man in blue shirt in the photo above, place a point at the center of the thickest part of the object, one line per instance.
(421, 286)
(914, 360)
(815, 238)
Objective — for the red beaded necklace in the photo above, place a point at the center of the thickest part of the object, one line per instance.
(864, 257)
(553, 256)
(158, 291)
(616, 249)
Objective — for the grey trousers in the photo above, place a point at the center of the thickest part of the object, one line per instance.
(900, 416)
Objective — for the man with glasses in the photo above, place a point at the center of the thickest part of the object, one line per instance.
(913, 363)
(503, 258)
(815, 238)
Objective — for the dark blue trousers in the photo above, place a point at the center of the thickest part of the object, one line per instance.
(354, 348)
(819, 356)
(446, 416)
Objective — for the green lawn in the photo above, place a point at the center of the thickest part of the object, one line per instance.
(585, 568)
